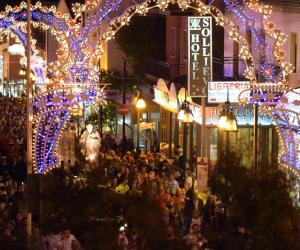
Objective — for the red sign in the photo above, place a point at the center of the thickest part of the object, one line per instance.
(123, 109)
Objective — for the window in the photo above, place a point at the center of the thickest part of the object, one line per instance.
(293, 50)
(185, 45)
(173, 41)
(249, 38)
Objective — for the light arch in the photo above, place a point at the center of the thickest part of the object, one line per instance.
(74, 69)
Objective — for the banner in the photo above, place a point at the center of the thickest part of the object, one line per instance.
(199, 55)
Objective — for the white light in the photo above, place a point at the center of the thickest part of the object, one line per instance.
(181, 115)
(16, 50)
(89, 128)
(140, 104)
(222, 122)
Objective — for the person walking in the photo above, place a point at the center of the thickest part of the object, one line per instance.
(69, 242)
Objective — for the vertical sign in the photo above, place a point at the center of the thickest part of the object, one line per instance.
(199, 55)
(202, 173)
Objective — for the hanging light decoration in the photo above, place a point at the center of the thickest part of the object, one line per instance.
(140, 103)
(227, 120)
(185, 114)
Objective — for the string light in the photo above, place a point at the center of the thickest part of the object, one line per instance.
(74, 68)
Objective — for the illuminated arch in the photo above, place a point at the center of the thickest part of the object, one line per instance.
(74, 69)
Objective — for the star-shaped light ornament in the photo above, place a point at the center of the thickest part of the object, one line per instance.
(296, 102)
(268, 71)
(85, 97)
(56, 99)
(42, 103)
(256, 97)
(270, 96)
(284, 99)
(70, 97)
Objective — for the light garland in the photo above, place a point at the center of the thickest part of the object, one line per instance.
(273, 57)
(75, 78)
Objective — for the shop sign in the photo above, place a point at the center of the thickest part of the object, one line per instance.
(244, 115)
(146, 125)
(218, 91)
(164, 97)
(202, 173)
(199, 55)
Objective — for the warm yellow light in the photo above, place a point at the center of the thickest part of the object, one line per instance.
(47, 81)
(22, 72)
(76, 90)
(227, 120)
(185, 114)
(231, 125)
(181, 115)
(140, 103)
(222, 124)
(33, 77)
(188, 116)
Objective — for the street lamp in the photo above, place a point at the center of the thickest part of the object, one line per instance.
(22, 72)
(227, 120)
(185, 116)
(140, 104)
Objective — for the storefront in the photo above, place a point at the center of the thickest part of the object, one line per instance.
(240, 142)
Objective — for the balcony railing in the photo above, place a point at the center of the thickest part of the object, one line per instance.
(161, 69)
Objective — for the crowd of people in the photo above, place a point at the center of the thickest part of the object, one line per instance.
(12, 204)
(12, 172)
(12, 125)
(166, 181)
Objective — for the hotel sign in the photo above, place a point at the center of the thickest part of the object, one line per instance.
(244, 115)
(199, 55)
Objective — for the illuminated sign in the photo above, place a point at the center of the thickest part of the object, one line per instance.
(217, 91)
(244, 115)
(165, 97)
(199, 55)
(16, 50)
